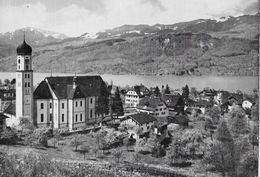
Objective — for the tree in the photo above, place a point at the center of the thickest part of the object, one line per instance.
(56, 137)
(157, 91)
(8, 137)
(25, 123)
(151, 142)
(237, 122)
(137, 157)
(126, 142)
(95, 150)
(117, 105)
(102, 104)
(254, 136)
(84, 149)
(75, 141)
(118, 154)
(248, 165)
(7, 82)
(167, 89)
(209, 125)
(193, 91)
(222, 153)
(13, 81)
(214, 112)
(177, 153)
(140, 145)
(255, 112)
(43, 140)
(185, 91)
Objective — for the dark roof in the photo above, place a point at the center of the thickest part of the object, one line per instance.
(24, 49)
(10, 92)
(42, 91)
(179, 119)
(142, 118)
(208, 92)
(172, 100)
(150, 102)
(11, 109)
(237, 97)
(63, 87)
(203, 103)
(141, 90)
(2, 116)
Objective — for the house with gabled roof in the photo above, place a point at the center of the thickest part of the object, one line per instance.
(154, 106)
(139, 124)
(133, 97)
(67, 102)
(175, 103)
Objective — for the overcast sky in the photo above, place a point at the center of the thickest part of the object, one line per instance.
(75, 17)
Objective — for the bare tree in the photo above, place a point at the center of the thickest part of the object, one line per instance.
(118, 154)
(75, 141)
(84, 149)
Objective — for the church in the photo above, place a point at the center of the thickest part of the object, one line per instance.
(70, 102)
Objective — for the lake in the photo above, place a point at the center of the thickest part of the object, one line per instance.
(229, 83)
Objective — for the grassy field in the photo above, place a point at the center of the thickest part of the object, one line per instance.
(64, 152)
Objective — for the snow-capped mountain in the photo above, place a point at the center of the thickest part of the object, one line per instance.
(34, 36)
(88, 36)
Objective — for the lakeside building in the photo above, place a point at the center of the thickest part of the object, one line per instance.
(59, 102)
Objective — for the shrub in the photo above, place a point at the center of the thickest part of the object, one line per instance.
(39, 137)
(8, 137)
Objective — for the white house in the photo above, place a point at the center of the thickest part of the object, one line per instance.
(247, 104)
(154, 106)
(132, 99)
(138, 124)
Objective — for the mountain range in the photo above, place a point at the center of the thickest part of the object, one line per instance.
(225, 46)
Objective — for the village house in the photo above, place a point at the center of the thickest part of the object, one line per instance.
(203, 105)
(174, 103)
(154, 106)
(207, 94)
(139, 124)
(133, 97)
(7, 96)
(247, 103)
(231, 100)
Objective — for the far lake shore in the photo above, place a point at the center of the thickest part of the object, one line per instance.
(229, 83)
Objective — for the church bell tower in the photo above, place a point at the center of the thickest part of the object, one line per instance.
(24, 82)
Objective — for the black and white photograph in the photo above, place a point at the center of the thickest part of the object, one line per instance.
(129, 88)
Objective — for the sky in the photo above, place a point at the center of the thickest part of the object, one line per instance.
(75, 17)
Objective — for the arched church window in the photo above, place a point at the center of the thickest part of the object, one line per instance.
(19, 61)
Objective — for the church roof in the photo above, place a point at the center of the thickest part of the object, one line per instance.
(42, 91)
(63, 87)
(24, 49)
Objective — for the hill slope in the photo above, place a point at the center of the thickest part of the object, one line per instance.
(219, 48)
